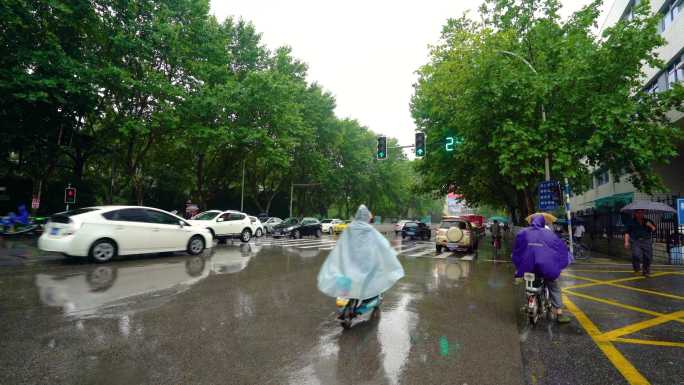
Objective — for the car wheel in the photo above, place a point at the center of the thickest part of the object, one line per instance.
(439, 249)
(318, 233)
(246, 235)
(259, 233)
(296, 234)
(103, 250)
(196, 245)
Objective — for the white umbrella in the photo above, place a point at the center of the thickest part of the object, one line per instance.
(648, 206)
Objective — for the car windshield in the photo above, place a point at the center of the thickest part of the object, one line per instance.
(411, 224)
(450, 224)
(291, 221)
(209, 215)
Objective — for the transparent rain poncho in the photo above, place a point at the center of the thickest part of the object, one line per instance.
(362, 265)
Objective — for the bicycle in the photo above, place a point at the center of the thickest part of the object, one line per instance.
(538, 299)
(579, 251)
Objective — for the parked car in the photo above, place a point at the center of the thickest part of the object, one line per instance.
(257, 227)
(296, 228)
(328, 224)
(456, 234)
(269, 223)
(225, 224)
(416, 230)
(104, 232)
(340, 227)
(400, 226)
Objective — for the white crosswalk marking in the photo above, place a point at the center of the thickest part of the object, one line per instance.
(421, 254)
(400, 251)
(327, 243)
(467, 258)
(443, 255)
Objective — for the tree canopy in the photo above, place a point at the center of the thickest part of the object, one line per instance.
(489, 83)
(157, 102)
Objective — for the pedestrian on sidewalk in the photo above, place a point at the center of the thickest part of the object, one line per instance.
(638, 235)
(496, 236)
(579, 232)
(538, 250)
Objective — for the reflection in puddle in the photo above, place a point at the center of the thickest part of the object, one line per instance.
(394, 333)
(115, 290)
(370, 352)
(107, 289)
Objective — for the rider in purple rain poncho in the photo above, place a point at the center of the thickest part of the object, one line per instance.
(538, 250)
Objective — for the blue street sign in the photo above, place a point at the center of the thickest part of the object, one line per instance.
(680, 211)
(549, 195)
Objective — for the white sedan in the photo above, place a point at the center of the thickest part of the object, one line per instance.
(225, 224)
(104, 232)
(328, 224)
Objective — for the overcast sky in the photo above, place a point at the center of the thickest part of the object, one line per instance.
(363, 52)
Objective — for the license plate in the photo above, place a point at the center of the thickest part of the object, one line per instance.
(452, 245)
(54, 231)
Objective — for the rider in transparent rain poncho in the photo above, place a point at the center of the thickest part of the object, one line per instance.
(362, 265)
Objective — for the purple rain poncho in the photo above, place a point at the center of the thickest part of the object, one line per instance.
(538, 250)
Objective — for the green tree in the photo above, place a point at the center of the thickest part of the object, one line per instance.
(478, 87)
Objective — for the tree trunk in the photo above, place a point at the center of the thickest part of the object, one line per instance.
(200, 180)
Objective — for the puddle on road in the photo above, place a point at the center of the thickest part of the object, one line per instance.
(375, 351)
(127, 287)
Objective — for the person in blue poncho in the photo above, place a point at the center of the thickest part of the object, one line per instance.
(538, 250)
(362, 265)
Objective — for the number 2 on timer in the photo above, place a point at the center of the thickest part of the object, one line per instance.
(450, 143)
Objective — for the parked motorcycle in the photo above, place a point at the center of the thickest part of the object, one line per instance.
(351, 311)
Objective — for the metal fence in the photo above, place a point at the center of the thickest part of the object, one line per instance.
(609, 223)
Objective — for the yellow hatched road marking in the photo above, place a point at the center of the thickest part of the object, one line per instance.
(621, 363)
(613, 303)
(633, 328)
(618, 304)
(596, 282)
(650, 342)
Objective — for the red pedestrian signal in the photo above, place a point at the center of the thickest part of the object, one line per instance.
(70, 195)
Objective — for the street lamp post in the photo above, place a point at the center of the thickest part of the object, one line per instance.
(547, 165)
(293, 185)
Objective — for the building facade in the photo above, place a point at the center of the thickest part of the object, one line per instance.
(613, 190)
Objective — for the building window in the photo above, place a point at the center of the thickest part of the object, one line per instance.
(671, 9)
(601, 178)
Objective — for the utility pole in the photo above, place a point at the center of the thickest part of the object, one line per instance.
(567, 211)
(547, 165)
(292, 186)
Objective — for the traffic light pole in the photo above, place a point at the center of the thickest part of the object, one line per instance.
(67, 203)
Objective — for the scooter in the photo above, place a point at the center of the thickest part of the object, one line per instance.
(14, 224)
(538, 301)
(350, 311)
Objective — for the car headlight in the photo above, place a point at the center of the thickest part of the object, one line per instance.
(290, 228)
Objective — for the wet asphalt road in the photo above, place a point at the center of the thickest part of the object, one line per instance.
(251, 314)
